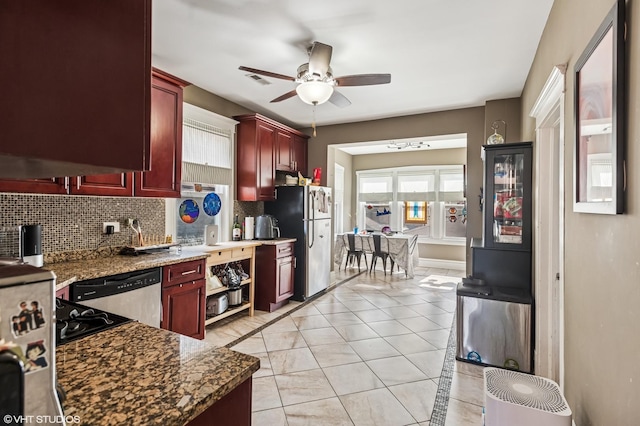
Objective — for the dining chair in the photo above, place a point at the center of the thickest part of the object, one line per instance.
(380, 252)
(352, 251)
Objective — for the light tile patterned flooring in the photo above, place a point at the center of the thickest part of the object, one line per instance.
(368, 352)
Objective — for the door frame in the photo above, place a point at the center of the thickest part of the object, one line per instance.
(548, 253)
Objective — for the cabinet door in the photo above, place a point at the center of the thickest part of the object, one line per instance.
(38, 186)
(266, 136)
(183, 308)
(283, 151)
(163, 178)
(78, 81)
(300, 154)
(120, 184)
(284, 278)
(508, 196)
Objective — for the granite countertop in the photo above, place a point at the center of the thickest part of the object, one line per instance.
(79, 270)
(276, 241)
(135, 374)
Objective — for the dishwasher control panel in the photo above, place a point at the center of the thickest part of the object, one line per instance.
(114, 284)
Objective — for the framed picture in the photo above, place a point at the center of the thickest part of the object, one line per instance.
(600, 119)
(415, 212)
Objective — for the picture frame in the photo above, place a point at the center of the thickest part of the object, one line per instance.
(599, 119)
(415, 212)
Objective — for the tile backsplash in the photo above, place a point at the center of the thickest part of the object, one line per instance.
(74, 223)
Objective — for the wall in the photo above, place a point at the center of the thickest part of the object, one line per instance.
(346, 161)
(602, 295)
(74, 222)
(469, 120)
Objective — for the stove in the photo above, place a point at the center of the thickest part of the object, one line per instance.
(75, 321)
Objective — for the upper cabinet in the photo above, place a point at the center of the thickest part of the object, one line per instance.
(264, 146)
(163, 178)
(78, 86)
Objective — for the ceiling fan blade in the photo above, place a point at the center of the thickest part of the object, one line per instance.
(319, 59)
(285, 96)
(266, 73)
(363, 79)
(339, 100)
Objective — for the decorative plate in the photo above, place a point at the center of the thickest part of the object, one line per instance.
(212, 204)
(189, 211)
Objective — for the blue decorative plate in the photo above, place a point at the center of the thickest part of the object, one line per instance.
(189, 211)
(212, 204)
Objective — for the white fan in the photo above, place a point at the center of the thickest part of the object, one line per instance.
(513, 398)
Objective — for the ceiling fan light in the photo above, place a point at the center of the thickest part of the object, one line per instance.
(314, 92)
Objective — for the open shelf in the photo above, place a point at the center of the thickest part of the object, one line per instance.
(225, 288)
(228, 313)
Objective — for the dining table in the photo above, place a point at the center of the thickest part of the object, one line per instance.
(401, 247)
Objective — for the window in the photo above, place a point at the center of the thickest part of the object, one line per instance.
(207, 167)
(414, 200)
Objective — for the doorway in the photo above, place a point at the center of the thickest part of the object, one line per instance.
(549, 228)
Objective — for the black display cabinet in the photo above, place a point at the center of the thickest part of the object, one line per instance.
(495, 309)
(507, 192)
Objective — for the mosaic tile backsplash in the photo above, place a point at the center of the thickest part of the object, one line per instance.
(74, 223)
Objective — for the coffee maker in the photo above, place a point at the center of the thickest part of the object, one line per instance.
(28, 345)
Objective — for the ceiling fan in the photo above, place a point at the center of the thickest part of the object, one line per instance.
(316, 81)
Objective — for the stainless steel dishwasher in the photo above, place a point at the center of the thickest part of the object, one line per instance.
(135, 295)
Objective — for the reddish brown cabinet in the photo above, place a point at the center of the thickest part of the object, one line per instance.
(77, 98)
(264, 146)
(183, 298)
(299, 154)
(38, 186)
(283, 151)
(114, 184)
(275, 264)
(163, 178)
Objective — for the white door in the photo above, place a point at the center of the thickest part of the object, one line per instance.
(549, 228)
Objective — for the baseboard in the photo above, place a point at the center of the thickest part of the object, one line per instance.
(458, 265)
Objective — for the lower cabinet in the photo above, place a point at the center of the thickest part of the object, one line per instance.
(183, 298)
(275, 266)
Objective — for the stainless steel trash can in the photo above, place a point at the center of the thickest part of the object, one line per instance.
(495, 329)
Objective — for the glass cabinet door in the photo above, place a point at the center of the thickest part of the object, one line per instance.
(508, 203)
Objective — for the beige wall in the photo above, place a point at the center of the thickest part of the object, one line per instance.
(469, 120)
(435, 157)
(346, 161)
(602, 277)
(442, 252)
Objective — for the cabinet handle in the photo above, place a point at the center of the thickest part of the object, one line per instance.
(189, 272)
(78, 183)
(295, 262)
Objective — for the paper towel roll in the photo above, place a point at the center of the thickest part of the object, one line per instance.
(249, 227)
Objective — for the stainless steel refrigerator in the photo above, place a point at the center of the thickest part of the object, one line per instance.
(304, 213)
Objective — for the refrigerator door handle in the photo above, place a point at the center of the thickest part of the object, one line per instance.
(311, 216)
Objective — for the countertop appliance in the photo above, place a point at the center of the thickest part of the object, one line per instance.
(135, 295)
(31, 245)
(266, 227)
(304, 213)
(27, 336)
(74, 321)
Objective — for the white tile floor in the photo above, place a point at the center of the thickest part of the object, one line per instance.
(368, 352)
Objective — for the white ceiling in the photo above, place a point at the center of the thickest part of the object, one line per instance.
(441, 54)
(407, 144)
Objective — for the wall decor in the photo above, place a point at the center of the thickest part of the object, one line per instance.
(599, 119)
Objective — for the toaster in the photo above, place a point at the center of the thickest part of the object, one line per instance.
(217, 304)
